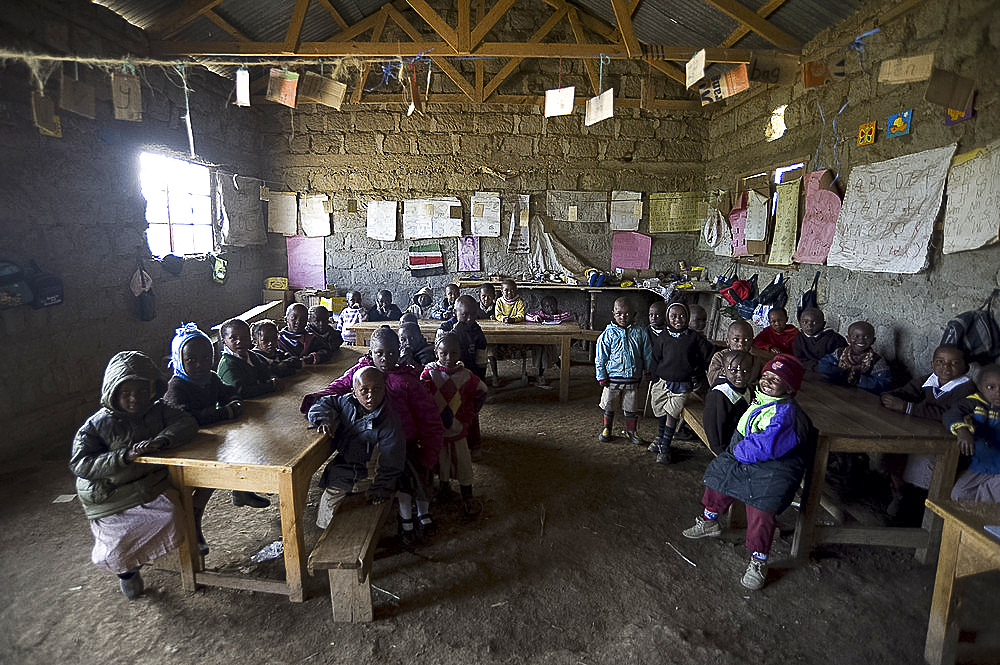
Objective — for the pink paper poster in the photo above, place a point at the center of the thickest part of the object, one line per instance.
(630, 251)
(305, 262)
(738, 222)
(819, 220)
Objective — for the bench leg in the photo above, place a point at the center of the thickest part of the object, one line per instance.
(350, 599)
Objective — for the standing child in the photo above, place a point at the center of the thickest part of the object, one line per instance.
(265, 346)
(726, 402)
(295, 340)
(384, 309)
(319, 325)
(778, 336)
(857, 364)
(815, 340)
(421, 423)
(353, 313)
(680, 357)
(423, 303)
(623, 355)
(241, 368)
(414, 350)
(459, 395)
(657, 319)
(470, 335)
(487, 310)
(976, 422)
(699, 319)
(509, 307)
(446, 308)
(739, 337)
(549, 314)
(763, 465)
(134, 513)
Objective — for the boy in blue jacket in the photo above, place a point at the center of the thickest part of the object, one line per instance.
(976, 422)
(763, 466)
(624, 353)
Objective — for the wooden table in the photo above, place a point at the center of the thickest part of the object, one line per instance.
(507, 333)
(966, 549)
(852, 420)
(268, 449)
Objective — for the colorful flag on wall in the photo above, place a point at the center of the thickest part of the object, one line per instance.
(426, 260)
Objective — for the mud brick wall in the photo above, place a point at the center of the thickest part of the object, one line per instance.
(908, 311)
(73, 204)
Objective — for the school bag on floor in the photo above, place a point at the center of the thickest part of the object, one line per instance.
(975, 332)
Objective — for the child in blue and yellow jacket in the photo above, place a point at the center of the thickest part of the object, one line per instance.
(624, 354)
(976, 422)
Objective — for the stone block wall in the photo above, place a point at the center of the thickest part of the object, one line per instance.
(908, 311)
(73, 204)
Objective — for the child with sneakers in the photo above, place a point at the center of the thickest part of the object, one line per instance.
(739, 337)
(622, 357)
(296, 340)
(815, 340)
(353, 313)
(976, 422)
(726, 402)
(680, 357)
(459, 395)
(857, 364)
(421, 426)
(367, 439)
(778, 336)
(763, 465)
(384, 309)
(319, 325)
(265, 346)
(134, 513)
(241, 368)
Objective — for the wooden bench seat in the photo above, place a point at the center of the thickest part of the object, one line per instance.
(345, 551)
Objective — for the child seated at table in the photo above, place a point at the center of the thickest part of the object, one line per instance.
(680, 357)
(550, 314)
(699, 318)
(778, 336)
(384, 309)
(423, 303)
(975, 420)
(487, 310)
(857, 364)
(368, 443)
(470, 335)
(509, 307)
(353, 313)
(739, 337)
(421, 423)
(928, 397)
(414, 349)
(409, 317)
(459, 395)
(763, 466)
(815, 340)
(295, 340)
(241, 368)
(623, 355)
(726, 402)
(319, 325)
(265, 345)
(134, 512)
(446, 308)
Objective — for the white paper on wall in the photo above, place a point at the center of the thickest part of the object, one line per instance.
(485, 216)
(559, 101)
(381, 220)
(313, 217)
(888, 214)
(600, 107)
(431, 218)
(626, 210)
(973, 209)
(758, 214)
(282, 213)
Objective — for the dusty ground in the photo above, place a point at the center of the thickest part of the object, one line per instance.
(570, 562)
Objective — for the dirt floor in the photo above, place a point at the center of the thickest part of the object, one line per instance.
(577, 558)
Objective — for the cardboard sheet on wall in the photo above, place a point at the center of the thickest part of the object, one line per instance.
(970, 217)
(888, 214)
(576, 206)
(738, 226)
(758, 217)
(819, 219)
(676, 212)
(786, 223)
(630, 251)
(626, 210)
(305, 262)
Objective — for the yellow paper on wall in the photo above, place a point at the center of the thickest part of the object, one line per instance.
(786, 223)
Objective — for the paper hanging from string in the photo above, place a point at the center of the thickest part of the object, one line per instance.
(322, 90)
(282, 213)
(600, 107)
(725, 85)
(380, 220)
(243, 87)
(126, 95)
(281, 85)
(76, 97)
(43, 111)
(559, 101)
(694, 70)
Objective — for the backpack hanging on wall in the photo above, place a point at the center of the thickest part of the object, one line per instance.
(975, 332)
(773, 295)
(809, 297)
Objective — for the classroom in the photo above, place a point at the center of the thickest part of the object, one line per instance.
(589, 150)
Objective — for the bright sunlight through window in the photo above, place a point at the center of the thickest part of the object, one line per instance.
(178, 205)
(776, 127)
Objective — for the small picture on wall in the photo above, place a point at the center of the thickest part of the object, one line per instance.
(468, 254)
(899, 124)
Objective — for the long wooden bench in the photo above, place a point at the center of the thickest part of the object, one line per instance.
(345, 551)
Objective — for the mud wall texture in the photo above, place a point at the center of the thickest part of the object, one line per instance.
(908, 311)
(73, 204)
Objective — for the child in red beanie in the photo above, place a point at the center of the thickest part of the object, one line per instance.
(763, 466)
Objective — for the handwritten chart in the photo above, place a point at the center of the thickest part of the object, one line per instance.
(676, 212)
(819, 220)
(970, 218)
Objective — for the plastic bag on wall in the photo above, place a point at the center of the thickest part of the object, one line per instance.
(142, 288)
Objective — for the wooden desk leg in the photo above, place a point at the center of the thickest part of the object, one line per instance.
(564, 365)
(942, 480)
(942, 628)
(188, 550)
(805, 530)
(292, 503)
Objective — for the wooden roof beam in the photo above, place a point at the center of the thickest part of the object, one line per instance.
(581, 38)
(359, 28)
(295, 26)
(487, 22)
(226, 26)
(624, 17)
(742, 31)
(383, 15)
(513, 63)
(434, 20)
(768, 31)
(441, 62)
(464, 28)
(332, 11)
(177, 20)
